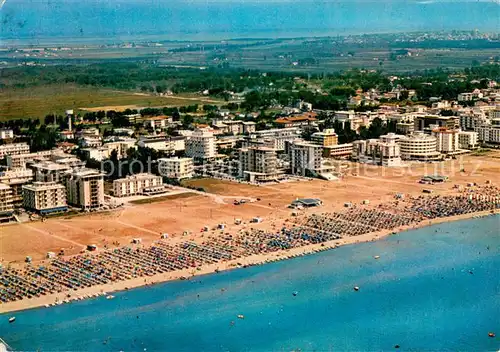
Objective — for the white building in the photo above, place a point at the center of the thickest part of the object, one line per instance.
(305, 157)
(49, 171)
(468, 140)
(259, 164)
(45, 197)
(176, 168)
(99, 153)
(14, 149)
(489, 134)
(279, 135)
(6, 133)
(419, 146)
(201, 145)
(16, 179)
(135, 184)
(447, 140)
(85, 188)
(20, 160)
(384, 151)
(6, 204)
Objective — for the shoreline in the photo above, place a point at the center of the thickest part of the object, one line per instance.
(258, 259)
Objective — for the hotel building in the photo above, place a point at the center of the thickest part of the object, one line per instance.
(45, 197)
(176, 168)
(85, 188)
(135, 184)
(419, 146)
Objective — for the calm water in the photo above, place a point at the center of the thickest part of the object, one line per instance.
(113, 20)
(419, 295)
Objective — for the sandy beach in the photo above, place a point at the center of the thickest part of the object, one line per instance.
(224, 265)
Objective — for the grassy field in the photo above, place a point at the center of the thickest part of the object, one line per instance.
(40, 101)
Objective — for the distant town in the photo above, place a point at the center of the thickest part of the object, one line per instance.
(92, 169)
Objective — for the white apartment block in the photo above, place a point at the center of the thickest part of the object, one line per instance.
(377, 152)
(339, 151)
(49, 171)
(419, 146)
(16, 179)
(305, 157)
(6, 204)
(176, 168)
(6, 133)
(99, 154)
(135, 184)
(259, 164)
(468, 140)
(201, 145)
(279, 135)
(85, 188)
(489, 134)
(20, 160)
(447, 140)
(45, 197)
(14, 149)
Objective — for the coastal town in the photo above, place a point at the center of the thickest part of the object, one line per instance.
(128, 198)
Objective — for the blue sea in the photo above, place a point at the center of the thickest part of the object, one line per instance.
(65, 21)
(433, 289)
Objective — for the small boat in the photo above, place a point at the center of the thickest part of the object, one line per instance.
(295, 293)
(377, 257)
(241, 316)
(47, 306)
(12, 319)
(110, 297)
(356, 288)
(491, 334)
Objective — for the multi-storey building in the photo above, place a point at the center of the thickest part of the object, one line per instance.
(6, 133)
(425, 123)
(20, 160)
(447, 140)
(385, 152)
(305, 158)
(16, 179)
(489, 134)
(48, 171)
(201, 145)
(13, 149)
(45, 197)
(85, 188)
(6, 204)
(135, 184)
(419, 146)
(327, 138)
(468, 140)
(339, 151)
(278, 135)
(405, 127)
(259, 164)
(176, 168)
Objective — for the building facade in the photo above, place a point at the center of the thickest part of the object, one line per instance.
(278, 135)
(85, 188)
(201, 145)
(468, 140)
(16, 179)
(327, 138)
(18, 161)
(447, 140)
(135, 184)
(14, 149)
(419, 146)
(45, 197)
(6, 133)
(176, 168)
(305, 158)
(6, 204)
(259, 164)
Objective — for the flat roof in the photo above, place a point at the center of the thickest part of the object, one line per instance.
(307, 201)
